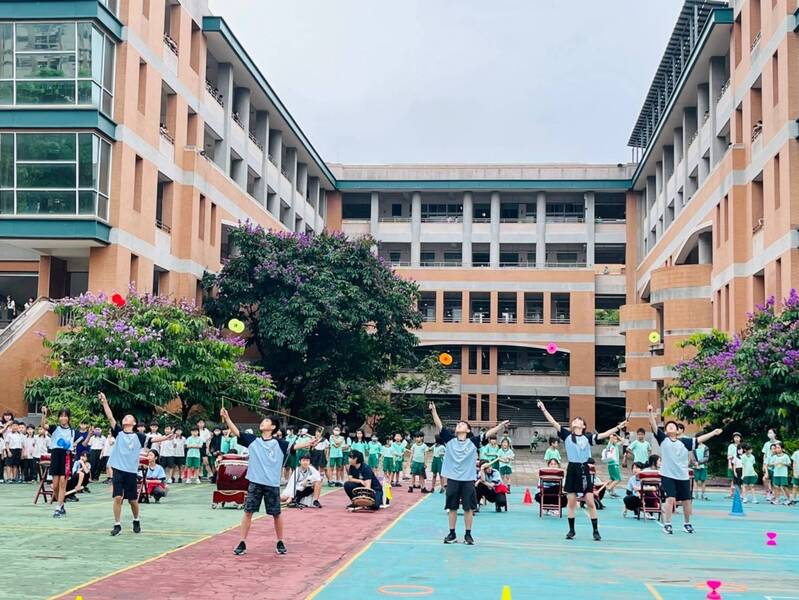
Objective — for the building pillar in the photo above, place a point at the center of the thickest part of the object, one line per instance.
(242, 107)
(494, 245)
(374, 214)
(262, 135)
(541, 230)
(225, 81)
(416, 229)
(705, 248)
(590, 228)
(468, 216)
(314, 195)
(718, 77)
(291, 157)
(702, 106)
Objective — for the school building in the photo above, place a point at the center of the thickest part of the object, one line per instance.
(135, 133)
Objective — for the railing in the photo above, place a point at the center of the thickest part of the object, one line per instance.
(518, 220)
(606, 220)
(534, 319)
(21, 320)
(164, 131)
(443, 219)
(565, 219)
(214, 93)
(756, 41)
(609, 322)
(428, 263)
(604, 372)
(759, 225)
(394, 219)
(723, 90)
(400, 263)
(163, 226)
(480, 318)
(507, 318)
(518, 264)
(561, 320)
(285, 173)
(452, 319)
(515, 371)
(271, 159)
(426, 318)
(237, 119)
(565, 265)
(757, 130)
(255, 141)
(67, 317)
(481, 220)
(170, 43)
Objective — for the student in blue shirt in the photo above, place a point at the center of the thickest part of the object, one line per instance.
(579, 479)
(61, 437)
(460, 469)
(267, 455)
(155, 476)
(124, 461)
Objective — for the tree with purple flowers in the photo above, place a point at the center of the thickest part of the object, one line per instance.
(145, 354)
(749, 382)
(328, 317)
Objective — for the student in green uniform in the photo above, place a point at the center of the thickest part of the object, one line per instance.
(193, 459)
(506, 456)
(337, 442)
(291, 460)
(418, 472)
(780, 462)
(439, 449)
(749, 474)
(490, 450)
(387, 453)
(373, 448)
(612, 455)
(639, 448)
(360, 444)
(795, 460)
(552, 451)
(701, 458)
(399, 445)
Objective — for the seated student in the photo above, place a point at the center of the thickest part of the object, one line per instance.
(79, 480)
(553, 463)
(304, 485)
(156, 477)
(632, 501)
(486, 486)
(362, 475)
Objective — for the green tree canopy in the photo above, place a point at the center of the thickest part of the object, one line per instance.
(144, 355)
(328, 317)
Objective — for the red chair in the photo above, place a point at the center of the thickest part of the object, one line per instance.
(650, 493)
(45, 490)
(144, 490)
(231, 481)
(551, 495)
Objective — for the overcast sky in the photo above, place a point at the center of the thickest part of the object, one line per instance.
(458, 80)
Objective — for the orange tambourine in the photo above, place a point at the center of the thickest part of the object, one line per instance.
(445, 359)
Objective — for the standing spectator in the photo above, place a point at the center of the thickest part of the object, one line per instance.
(205, 438)
(11, 306)
(29, 303)
(28, 461)
(96, 446)
(110, 440)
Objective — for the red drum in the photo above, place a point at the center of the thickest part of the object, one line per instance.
(231, 481)
(44, 458)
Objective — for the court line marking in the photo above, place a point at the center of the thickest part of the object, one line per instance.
(145, 532)
(653, 591)
(143, 562)
(360, 552)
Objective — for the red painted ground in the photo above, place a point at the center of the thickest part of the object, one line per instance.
(318, 542)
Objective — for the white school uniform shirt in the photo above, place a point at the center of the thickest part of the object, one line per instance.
(15, 441)
(109, 445)
(179, 449)
(155, 445)
(97, 443)
(167, 448)
(322, 445)
(2, 446)
(28, 446)
(41, 445)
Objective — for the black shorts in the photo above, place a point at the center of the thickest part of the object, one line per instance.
(169, 461)
(15, 457)
(180, 461)
(679, 489)
(270, 496)
(460, 493)
(58, 462)
(579, 479)
(125, 484)
(318, 459)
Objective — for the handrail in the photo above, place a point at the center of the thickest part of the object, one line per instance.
(20, 322)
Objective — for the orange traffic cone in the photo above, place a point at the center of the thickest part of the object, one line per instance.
(528, 497)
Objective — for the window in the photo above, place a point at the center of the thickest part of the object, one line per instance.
(196, 43)
(442, 212)
(356, 211)
(776, 176)
(395, 257)
(142, 91)
(213, 224)
(561, 309)
(56, 64)
(134, 270)
(201, 218)
(145, 9)
(775, 78)
(138, 175)
(396, 210)
(54, 174)
(163, 204)
(111, 5)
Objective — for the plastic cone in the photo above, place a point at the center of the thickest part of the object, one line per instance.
(528, 499)
(388, 493)
(506, 592)
(737, 506)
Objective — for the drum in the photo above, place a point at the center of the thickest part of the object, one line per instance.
(232, 473)
(550, 474)
(363, 497)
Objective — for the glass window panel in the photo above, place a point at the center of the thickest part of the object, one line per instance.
(88, 93)
(86, 46)
(46, 92)
(7, 160)
(45, 36)
(45, 175)
(108, 103)
(7, 202)
(102, 207)
(105, 167)
(6, 51)
(6, 92)
(86, 203)
(45, 203)
(46, 146)
(108, 65)
(45, 66)
(88, 157)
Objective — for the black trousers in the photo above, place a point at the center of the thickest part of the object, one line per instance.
(29, 469)
(94, 461)
(632, 502)
(490, 495)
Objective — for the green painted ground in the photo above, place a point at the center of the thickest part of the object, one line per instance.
(531, 556)
(44, 556)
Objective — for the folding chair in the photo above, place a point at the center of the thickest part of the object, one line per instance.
(550, 495)
(45, 489)
(650, 493)
(144, 492)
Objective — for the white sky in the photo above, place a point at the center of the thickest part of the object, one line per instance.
(373, 81)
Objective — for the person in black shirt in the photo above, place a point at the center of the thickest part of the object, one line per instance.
(362, 475)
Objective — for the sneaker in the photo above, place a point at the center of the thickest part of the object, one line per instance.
(441, 491)
(468, 539)
(688, 528)
(136, 526)
(87, 490)
(451, 539)
(597, 537)
(316, 504)
(745, 501)
(57, 514)
(624, 514)
(651, 516)
(499, 509)
(426, 491)
(667, 528)
(116, 530)
(570, 535)
(410, 490)
(240, 549)
(280, 547)
(755, 501)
